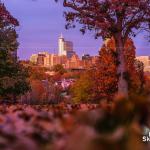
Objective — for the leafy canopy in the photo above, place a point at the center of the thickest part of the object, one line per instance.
(109, 17)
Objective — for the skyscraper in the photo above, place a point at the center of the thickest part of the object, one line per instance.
(61, 45)
(65, 47)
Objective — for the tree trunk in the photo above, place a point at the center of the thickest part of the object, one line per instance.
(121, 68)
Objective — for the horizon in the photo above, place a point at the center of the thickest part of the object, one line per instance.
(39, 30)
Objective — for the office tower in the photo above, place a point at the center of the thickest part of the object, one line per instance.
(65, 47)
(68, 46)
(61, 45)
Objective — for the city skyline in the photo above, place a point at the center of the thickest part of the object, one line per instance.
(42, 22)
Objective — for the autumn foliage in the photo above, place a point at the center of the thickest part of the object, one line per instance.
(106, 75)
(6, 18)
(13, 76)
(120, 19)
(101, 81)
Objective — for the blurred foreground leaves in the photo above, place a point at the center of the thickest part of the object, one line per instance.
(115, 126)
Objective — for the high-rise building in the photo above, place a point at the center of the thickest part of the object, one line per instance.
(65, 47)
(61, 46)
(68, 46)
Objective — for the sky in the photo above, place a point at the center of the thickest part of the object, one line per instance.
(42, 22)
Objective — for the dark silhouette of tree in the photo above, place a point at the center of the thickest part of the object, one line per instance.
(13, 76)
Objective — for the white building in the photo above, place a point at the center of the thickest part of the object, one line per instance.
(64, 47)
(61, 45)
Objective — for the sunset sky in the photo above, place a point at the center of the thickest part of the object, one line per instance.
(41, 23)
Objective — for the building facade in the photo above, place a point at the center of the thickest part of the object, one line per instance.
(73, 62)
(66, 57)
(146, 62)
(33, 58)
(65, 48)
(45, 59)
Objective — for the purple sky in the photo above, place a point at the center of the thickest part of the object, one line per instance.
(41, 23)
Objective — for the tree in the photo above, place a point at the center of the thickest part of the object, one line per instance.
(105, 73)
(37, 73)
(13, 76)
(59, 69)
(8, 35)
(82, 90)
(139, 68)
(100, 82)
(38, 92)
(120, 19)
(6, 19)
(106, 76)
